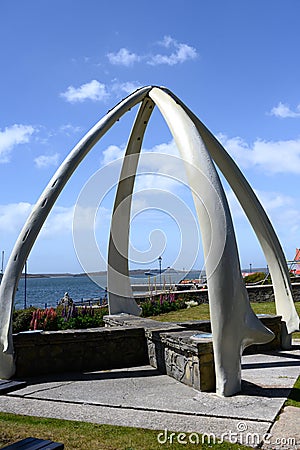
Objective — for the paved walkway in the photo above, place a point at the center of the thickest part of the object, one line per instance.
(142, 397)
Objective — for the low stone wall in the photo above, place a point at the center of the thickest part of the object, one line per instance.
(46, 352)
(126, 341)
(259, 293)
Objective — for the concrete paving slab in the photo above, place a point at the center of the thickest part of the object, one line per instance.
(285, 433)
(162, 393)
(267, 380)
(218, 428)
(142, 397)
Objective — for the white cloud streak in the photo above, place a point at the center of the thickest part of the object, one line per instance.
(112, 153)
(45, 161)
(123, 58)
(272, 157)
(11, 137)
(59, 222)
(282, 209)
(152, 167)
(94, 90)
(13, 216)
(283, 111)
(178, 53)
(127, 87)
(181, 53)
(70, 129)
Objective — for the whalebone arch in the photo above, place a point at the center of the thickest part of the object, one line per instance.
(197, 147)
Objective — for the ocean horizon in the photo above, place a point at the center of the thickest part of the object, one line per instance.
(47, 290)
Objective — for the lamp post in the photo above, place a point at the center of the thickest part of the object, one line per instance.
(25, 286)
(2, 262)
(159, 261)
(2, 266)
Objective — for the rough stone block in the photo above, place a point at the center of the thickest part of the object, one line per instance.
(189, 361)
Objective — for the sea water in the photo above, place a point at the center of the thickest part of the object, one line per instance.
(48, 291)
(41, 292)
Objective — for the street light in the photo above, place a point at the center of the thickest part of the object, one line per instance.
(25, 286)
(159, 261)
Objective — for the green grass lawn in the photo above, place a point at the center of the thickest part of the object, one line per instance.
(201, 312)
(294, 397)
(87, 436)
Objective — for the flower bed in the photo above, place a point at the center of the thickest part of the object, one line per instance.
(69, 316)
(61, 318)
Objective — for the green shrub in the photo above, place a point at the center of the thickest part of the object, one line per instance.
(257, 277)
(165, 304)
(82, 318)
(22, 319)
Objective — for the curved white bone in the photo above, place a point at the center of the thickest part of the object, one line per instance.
(118, 282)
(36, 220)
(234, 325)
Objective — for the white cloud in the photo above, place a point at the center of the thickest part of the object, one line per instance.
(13, 216)
(86, 218)
(283, 211)
(182, 52)
(272, 156)
(123, 57)
(12, 136)
(44, 161)
(70, 129)
(155, 169)
(112, 153)
(127, 87)
(59, 221)
(274, 203)
(178, 53)
(89, 91)
(282, 110)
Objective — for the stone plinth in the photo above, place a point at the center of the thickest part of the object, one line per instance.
(173, 351)
(189, 360)
(154, 344)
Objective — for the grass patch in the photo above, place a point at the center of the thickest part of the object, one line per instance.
(294, 397)
(201, 312)
(88, 436)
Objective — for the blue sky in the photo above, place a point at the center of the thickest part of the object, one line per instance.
(64, 64)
